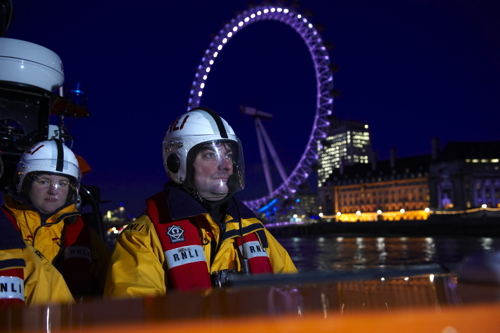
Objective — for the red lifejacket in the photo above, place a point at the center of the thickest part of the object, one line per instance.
(258, 259)
(77, 264)
(11, 270)
(181, 242)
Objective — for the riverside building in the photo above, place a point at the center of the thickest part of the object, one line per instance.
(463, 179)
(465, 176)
(391, 190)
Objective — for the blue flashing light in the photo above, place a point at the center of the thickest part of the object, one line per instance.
(298, 200)
(266, 207)
(78, 95)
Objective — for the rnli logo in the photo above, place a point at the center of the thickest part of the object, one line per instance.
(254, 249)
(184, 255)
(178, 124)
(176, 234)
(81, 252)
(11, 287)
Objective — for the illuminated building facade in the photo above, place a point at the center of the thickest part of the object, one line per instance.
(466, 175)
(396, 189)
(348, 143)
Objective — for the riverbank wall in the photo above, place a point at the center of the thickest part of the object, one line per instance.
(434, 226)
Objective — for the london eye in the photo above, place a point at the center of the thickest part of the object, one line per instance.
(324, 87)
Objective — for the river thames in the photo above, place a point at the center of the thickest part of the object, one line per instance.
(332, 252)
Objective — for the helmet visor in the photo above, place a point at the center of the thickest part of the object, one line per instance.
(215, 169)
(48, 166)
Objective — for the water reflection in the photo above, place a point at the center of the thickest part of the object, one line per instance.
(347, 253)
(486, 243)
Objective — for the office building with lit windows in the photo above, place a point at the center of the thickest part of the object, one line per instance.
(348, 143)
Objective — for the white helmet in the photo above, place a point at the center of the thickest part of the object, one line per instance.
(50, 156)
(197, 126)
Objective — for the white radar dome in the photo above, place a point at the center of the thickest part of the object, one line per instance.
(29, 63)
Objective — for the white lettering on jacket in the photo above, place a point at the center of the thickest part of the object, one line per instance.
(184, 255)
(77, 252)
(254, 249)
(11, 287)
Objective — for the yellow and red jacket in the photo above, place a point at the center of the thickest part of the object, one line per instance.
(26, 276)
(139, 264)
(64, 239)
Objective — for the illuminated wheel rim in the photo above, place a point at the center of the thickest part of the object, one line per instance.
(324, 83)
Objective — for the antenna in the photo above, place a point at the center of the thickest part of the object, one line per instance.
(5, 16)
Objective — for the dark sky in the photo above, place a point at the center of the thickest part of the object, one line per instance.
(413, 70)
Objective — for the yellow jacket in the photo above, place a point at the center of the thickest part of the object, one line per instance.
(43, 283)
(138, 260)
(47, 236)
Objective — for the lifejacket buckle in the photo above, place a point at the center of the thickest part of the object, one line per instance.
(222, 277)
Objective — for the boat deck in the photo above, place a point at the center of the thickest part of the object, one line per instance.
(417, 303)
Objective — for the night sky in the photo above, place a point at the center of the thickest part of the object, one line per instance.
(413, 70)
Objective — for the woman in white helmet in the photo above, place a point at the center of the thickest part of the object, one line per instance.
(196, 232)
(42, 206)
(48, 177)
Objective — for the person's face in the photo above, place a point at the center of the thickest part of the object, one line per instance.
(213, 165)
(49, 192)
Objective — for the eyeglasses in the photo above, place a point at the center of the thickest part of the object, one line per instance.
(44, 182)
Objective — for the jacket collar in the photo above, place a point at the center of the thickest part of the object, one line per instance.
(17, 205)
(182, 205)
